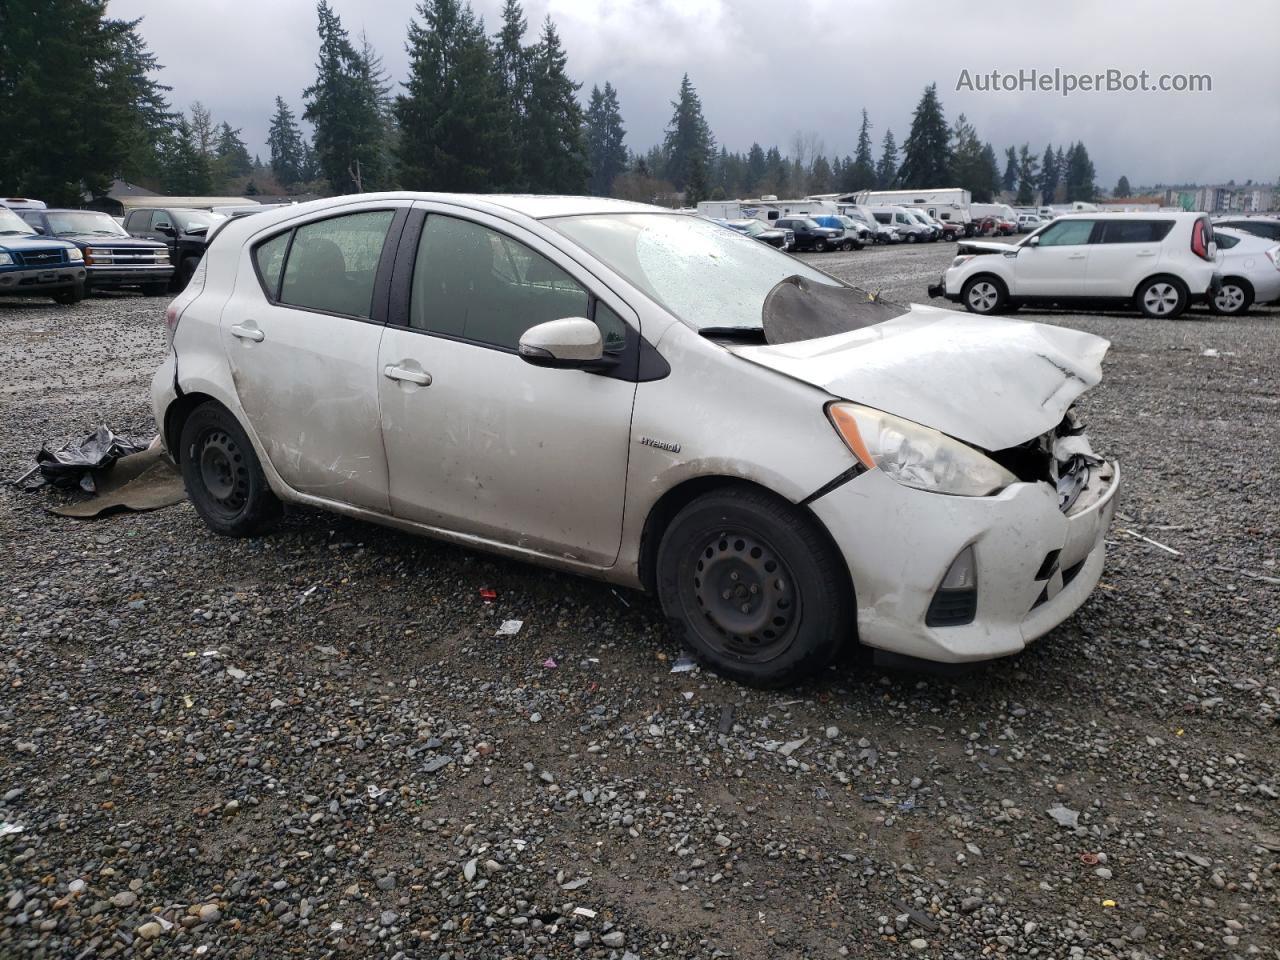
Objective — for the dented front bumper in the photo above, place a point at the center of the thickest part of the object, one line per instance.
(1035, 565)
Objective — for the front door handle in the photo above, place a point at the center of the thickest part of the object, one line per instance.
(248, 333)
(1077, 256)
(420, 377)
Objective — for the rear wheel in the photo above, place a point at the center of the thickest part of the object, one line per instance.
(1233, 298)
(755, 586)
(223, 476)
(820, 247)
(1161, 298)
(984, 295)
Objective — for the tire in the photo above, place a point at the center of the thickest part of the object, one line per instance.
(1161, 298)
(68, 297)
(984, 295)
(911, 238)
(223, 476)
(789, 608)
(820, 247)
(847, 246)
(1234, 298)
(156, 290)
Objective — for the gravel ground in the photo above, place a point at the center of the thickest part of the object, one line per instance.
(313, 744)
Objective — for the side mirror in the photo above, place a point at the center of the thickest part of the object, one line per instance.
(165, 228)
(38, 229)
(1033, 241)
(573, 343)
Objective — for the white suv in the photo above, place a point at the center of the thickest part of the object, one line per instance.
(1159, 263)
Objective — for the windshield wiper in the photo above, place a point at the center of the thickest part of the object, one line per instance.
(19, 233)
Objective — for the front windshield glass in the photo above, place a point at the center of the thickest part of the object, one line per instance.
(11, 223)
(708, 277)
(191, 220)
(84, 222)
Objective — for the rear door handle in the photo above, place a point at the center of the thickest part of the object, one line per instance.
(248, 333)
(420, 377)
(1146, 253)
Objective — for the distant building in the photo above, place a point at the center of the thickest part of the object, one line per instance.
(1227, 198)
(123, 196)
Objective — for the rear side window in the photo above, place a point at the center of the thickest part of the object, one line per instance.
(1224, 241)
(1135, 231)
(332, 263)
(137, 220)
(477, 284)
(269, 259)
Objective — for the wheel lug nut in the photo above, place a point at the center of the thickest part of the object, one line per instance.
(746, 608)
(727, 594)
(734, 575)
(755, 588)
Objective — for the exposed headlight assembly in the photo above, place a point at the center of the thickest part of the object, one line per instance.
(75, 254)
(916, 456)
(6, 259)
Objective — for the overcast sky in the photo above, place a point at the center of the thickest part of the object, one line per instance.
(768, 68)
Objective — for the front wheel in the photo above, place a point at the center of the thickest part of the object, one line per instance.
(911, 238)
(984, 295)
(1234, 297)
(755, 587)
(223, 476)
(847, 246)
(68, 297)
(1161, 298)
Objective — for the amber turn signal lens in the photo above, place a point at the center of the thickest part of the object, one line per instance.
(846, 425)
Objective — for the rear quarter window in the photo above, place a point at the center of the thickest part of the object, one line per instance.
(268, 259)
(1135, 231)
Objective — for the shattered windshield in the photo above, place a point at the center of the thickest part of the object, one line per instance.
(711, 278)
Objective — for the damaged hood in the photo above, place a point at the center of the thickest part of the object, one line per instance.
(984, 246)
(990, 382)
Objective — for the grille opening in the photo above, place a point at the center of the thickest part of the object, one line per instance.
(1046, 568)
(1029, 461)
(1070, 573)
(952, 608)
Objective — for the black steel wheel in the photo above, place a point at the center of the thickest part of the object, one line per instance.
(755, 586)
(223, 477)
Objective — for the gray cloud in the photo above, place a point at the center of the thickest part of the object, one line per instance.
(765, 69)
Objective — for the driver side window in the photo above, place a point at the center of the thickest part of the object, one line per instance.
(1067, 233)
(477, 284)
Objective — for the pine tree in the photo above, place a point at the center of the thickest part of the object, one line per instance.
(925, 153)
(204, 132)
(1010, 179)
(887, 168)
(757, 169)
(1028, 175)
(77, 103)
(969, 166)
(1049, 176)
(1080, 175)
(285, 143)
(188, 171)
(373, 102)
(343, 107)
(231, 153)
(604, 135)
(777, 172)
(990, 176)
(447, 114)
(820, 176)
(862, 176)
(511, 62)
(1122, 188)
(688, 139)
(555, 157)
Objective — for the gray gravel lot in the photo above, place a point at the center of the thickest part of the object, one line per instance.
(313, 745)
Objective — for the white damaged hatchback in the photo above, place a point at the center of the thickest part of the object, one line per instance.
(791, 465)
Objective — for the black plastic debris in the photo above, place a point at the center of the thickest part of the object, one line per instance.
(72, 466)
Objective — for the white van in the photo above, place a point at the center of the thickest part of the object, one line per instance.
(909, 228)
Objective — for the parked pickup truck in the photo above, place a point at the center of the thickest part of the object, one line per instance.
(185, 232)
(112, 259)
(36, 266)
